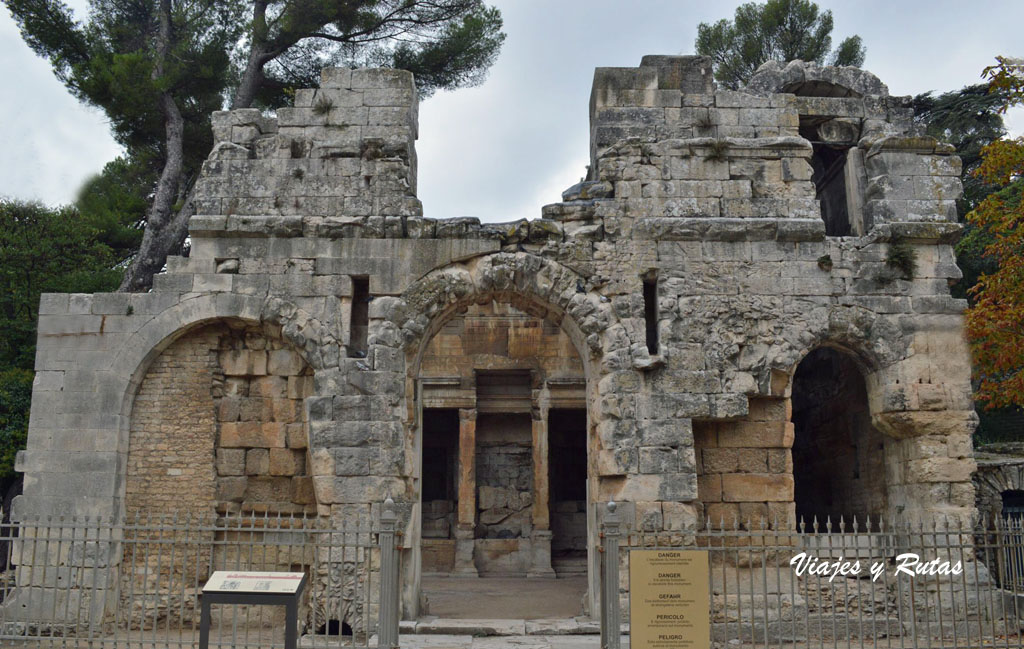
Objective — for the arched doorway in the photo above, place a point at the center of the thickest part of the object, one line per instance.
(503, 465)
(838, 455)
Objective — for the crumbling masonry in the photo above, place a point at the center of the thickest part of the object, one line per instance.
(742, 313)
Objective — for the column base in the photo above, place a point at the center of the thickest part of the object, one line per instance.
(540, 549)
(465, 544)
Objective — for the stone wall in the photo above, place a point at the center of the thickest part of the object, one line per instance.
(174, 430)
(218, 425)
(745, 468)
(706, 193)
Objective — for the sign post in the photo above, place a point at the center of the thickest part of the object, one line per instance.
(669, 605)
(254, 589)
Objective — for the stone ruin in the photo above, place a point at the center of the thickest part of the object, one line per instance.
(743, 313)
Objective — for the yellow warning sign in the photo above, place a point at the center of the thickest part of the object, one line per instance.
(669, 607)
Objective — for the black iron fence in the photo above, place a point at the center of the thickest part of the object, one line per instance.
(943, 583)
(137, 583)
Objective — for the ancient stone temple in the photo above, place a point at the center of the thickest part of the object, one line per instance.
(742, 313)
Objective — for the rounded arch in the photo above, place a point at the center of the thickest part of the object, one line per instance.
(839, 456)
(139, 351)
(535, 285)
(995, 476)
(303, 334)
(812, 80)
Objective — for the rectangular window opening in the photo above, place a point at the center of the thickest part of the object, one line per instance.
(360, 323)
(651, 313)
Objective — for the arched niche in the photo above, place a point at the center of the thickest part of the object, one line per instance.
(839, 457)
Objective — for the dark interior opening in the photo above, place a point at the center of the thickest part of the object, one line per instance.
(334, 627)
(439, 482)
(360, 323)
(1013, 504)
(567, 479)
(651, 313)
(838, 456)
(829, 177)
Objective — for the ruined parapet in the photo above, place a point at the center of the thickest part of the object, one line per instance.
(340, 160)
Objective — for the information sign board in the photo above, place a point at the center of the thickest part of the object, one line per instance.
(231, 581)
(669, 606)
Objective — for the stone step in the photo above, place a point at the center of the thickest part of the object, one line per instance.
(497, 627)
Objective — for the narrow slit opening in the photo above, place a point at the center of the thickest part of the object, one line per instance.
(360, 323)
(651, 313)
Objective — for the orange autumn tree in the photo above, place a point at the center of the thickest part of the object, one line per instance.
(995, 319)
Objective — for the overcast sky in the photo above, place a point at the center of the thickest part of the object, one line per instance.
(504, 149)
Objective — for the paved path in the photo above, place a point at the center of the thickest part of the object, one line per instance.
(501, 597)
(504, 642)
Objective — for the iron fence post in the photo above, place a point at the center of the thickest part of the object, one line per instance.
(611, 616)
(388, 634)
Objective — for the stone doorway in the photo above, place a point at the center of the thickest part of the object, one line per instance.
(838, 455)
(567, 466)
(504, 462)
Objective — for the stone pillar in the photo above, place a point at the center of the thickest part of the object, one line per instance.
(466, 523)
(540, 540)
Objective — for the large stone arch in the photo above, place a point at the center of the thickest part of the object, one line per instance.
(533, 284)
(309, 337)
(811, 79)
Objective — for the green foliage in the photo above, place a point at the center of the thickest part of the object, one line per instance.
(446, 44)
(108, 62)
(972, 250)
(780, 30)
(902, 257)
(115, 201)
(15, 401)
(995, 317)
(144, 61)
(322, 106)
(718, 150)
(968, 119)
(825, 263)
(44, 251)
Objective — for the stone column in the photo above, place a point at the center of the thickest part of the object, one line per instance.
(540, 540)
(466, 522)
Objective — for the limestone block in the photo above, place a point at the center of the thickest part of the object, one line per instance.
(723, 516)
(302, 490)
(284, 461)
(679, 516)
(53, 303)
(940, 469)
(230, 461)
(780, 461)
(257, 461)
(273, 435)
(636, 488)
(616, 461)
(752, 487)
(354, 461)
(757, 435)
(666, 432)
(658, 459)
(368, 78)
(336, 78)
(244, 434)
(271, 387)
(231, 489)
(285, 362)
